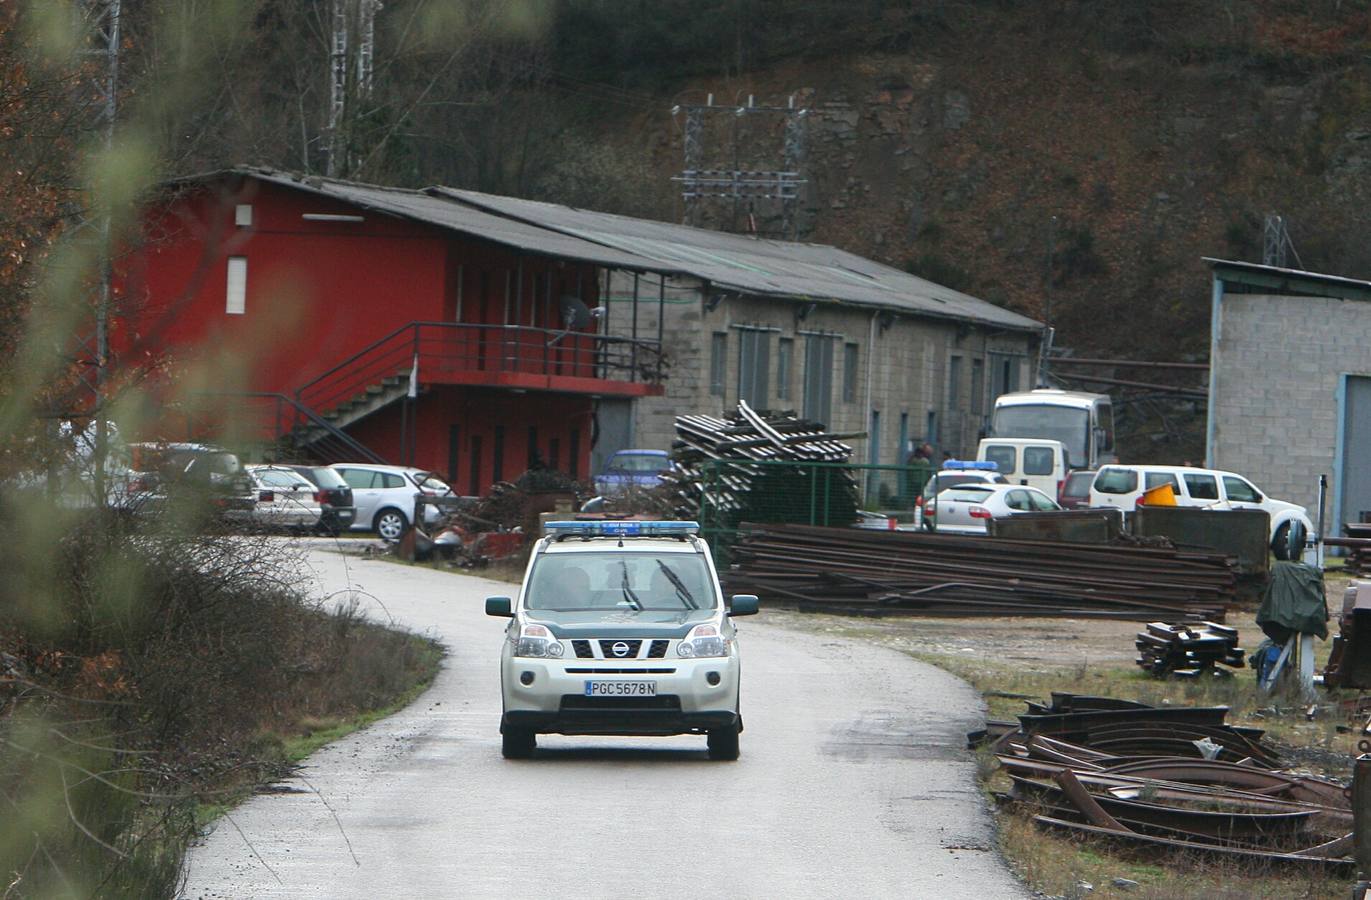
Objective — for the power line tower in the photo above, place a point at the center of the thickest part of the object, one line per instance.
(743, 187)
(350, 81)
(1276, 243)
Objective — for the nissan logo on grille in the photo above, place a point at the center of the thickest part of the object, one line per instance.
(620, 649)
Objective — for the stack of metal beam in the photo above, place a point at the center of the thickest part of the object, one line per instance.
(874, 572)
(1173, 779)
(1188, 651)
(747, 436)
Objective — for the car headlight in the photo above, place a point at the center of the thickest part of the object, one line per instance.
(537, 641)
(703, 641)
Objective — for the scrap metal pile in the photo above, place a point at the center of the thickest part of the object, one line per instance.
(1188, 651)
(873, 572)
(1358, 545)
(740, 491)
(1171, 779)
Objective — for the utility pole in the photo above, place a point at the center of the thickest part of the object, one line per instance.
(736, 184)
(105, 19)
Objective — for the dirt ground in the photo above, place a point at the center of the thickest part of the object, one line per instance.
(1030, 642)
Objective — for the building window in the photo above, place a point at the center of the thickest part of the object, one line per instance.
(849, 373)
(242, 215)
(954, 383)
(237, 290)
(1004, 373)
(534, 458)
(818, 378)
(977, 387)
(785, 355)
(754, 367)
(718, 363)
(574, 454)
(873, 456)
(931, 427)
(454, 447)
(475, 484)
(554, 453)
(497, 459)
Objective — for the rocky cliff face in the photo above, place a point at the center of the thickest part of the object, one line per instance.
(1117, 152)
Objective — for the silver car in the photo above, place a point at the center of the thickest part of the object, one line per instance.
(384, 496)
(967, 508)
(285, 498)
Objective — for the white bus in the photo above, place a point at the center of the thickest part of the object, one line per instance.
(1084, 423)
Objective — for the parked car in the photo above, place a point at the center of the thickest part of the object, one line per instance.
(384, 496)
(1121, 486)
(967, 508)
(1036, 462)
(1075, 493)
(334, 496)
(629, 469)
(285, 498)
(163, 473)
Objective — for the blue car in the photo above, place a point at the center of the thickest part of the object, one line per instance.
(630, 469)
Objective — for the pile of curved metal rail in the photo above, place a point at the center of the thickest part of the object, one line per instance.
(1175, 779)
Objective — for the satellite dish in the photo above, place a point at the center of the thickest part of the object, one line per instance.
(575, 314)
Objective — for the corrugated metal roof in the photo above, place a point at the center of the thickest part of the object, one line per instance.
(752, 265)
(1290, 281)
(728, 261)
(424, 207)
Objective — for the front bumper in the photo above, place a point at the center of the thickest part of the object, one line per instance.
(556, 702)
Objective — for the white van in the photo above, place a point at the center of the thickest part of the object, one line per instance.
(1035, 462)
(1122, 486)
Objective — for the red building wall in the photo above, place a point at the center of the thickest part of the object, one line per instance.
(319, 292)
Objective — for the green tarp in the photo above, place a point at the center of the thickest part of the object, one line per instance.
(1293, 602)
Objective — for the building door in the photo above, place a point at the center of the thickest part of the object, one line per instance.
(1354, 477)
(614, 420)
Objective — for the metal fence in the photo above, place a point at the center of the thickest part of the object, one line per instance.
(838, 495)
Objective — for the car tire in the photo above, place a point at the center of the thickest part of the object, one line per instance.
(723, 743)
(517, 743)
(390, 524)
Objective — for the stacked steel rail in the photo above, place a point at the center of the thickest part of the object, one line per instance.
(737, 488)
(1188, 651)
(1168, 778)
(872, 572)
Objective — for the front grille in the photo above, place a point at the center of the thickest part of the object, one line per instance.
(574, 670)
(582, 649)
(657, 650)
(607, 649)
(665, 702)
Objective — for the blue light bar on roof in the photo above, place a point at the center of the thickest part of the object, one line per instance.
(622, 528)
(983, 465)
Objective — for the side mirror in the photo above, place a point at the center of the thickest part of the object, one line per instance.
(499, 606)
(743, 605)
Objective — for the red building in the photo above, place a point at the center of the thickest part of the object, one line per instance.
(333, 297)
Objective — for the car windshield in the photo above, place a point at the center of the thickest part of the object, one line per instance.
(1078, 484)
(947, 481)
(967, 494)
(1056, 423)
(620, 581)
(431, 482)
(637, 463)
(327, 478)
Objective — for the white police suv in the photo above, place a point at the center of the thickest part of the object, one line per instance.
(620, 628)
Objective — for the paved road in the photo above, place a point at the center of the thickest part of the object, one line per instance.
(851, 783)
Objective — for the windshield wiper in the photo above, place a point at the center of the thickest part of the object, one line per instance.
(631, 597)
(676, 582)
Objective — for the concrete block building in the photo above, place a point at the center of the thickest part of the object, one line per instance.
(1290, 384)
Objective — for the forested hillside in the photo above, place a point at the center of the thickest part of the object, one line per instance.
(944, 135)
